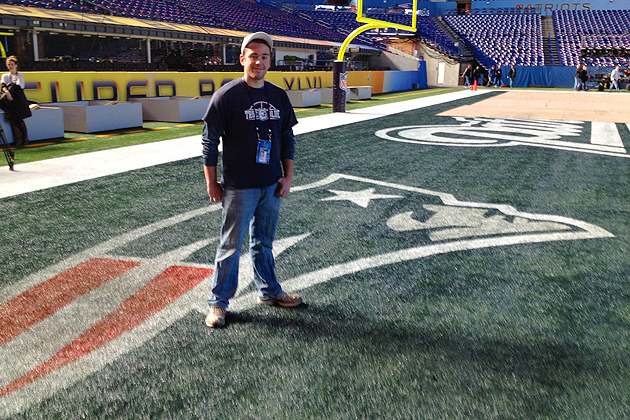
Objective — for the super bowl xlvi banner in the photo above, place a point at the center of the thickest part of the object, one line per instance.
(77, 316)
(46, 87)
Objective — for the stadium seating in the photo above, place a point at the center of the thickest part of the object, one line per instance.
(241, 15)
(432, 34)
(248, 15)
(501, 39)
(427, 29)
(593, 29)
(343, 23)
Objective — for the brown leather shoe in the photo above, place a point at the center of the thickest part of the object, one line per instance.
(216, 317)
(283, 299)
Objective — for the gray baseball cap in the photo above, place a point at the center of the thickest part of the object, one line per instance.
(257, 36)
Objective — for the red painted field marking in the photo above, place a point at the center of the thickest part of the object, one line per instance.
(38, 303)
(164, 289)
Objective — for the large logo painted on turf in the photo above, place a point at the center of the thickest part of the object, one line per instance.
(497, 132)
(74, 318)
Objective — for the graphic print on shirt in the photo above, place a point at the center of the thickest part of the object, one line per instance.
(262, 111)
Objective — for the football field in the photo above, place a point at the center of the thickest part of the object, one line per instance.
(453, 266)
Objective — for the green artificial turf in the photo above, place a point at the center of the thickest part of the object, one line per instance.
(526, 331)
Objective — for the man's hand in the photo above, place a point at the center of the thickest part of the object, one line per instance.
(284, 186)
(284, 183)
(215, 191)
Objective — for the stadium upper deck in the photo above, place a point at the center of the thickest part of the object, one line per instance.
(522, 35)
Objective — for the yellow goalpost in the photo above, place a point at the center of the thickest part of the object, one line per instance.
(375, 23)
(339, 72)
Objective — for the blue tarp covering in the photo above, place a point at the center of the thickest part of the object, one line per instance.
(396, 81)
(553, 76)
(422, 74)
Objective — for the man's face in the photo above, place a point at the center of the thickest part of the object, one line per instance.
(256, 60)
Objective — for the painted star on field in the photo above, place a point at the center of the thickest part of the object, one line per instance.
(361, 198)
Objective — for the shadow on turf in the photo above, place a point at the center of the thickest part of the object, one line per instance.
(247, 317)
(555, 363)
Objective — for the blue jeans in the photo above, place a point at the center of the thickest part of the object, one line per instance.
(255, 210)
(467, 82)
(614, 83)
(578, 84)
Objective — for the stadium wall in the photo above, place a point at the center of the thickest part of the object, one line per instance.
(394, 61)
(440, 71)
(45, 87)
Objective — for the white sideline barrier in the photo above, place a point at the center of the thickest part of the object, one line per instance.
(305, 98)
(173, 108)
(358, 93)
(94, 116)
(45, 123)
(327, 95)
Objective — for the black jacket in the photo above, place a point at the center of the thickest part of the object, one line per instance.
(18, 108)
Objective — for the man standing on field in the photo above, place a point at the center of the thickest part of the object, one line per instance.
(614, 79)
(254, 119)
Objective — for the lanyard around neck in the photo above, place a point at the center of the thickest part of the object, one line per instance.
(258, 112)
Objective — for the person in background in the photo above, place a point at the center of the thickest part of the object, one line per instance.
(614, 79)
(14, 102)
(511, 75)
(499, 77)
(577, 85)
(467, 75)
(475, 76)
(254, 120)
